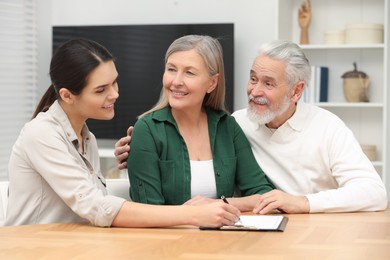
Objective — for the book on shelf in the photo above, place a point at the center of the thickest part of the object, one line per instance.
(317, 89)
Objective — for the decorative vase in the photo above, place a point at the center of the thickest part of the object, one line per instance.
(355, 85)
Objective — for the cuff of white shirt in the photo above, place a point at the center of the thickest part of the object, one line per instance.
(314, 203)
(108, 210)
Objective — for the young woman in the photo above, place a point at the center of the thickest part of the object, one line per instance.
(54, 171)
(187, 149)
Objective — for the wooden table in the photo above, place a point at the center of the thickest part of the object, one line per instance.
(307, 236)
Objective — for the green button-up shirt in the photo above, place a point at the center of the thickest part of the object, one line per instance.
(159, 164)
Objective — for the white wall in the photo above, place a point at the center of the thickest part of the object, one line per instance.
(255, 22)
(44, 28)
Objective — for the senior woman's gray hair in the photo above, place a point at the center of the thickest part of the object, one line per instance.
(210, 50)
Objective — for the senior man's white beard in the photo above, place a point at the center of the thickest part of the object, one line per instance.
(270, 114)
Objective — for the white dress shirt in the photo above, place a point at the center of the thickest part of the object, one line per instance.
(51, 181)
(314, 154)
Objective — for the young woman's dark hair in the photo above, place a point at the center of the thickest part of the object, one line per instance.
(70, 66)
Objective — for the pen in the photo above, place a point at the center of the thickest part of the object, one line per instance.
(227, 202)
(224, 199)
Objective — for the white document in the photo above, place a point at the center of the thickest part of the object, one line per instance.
(260, 222)
(256, 223)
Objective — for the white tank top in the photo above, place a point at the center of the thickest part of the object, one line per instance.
(203, 179)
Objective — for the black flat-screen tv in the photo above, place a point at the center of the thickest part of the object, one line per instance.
(139, 51)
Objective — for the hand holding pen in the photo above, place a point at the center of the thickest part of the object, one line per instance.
(227, 202)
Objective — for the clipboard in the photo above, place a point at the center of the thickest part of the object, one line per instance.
(255, 223)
